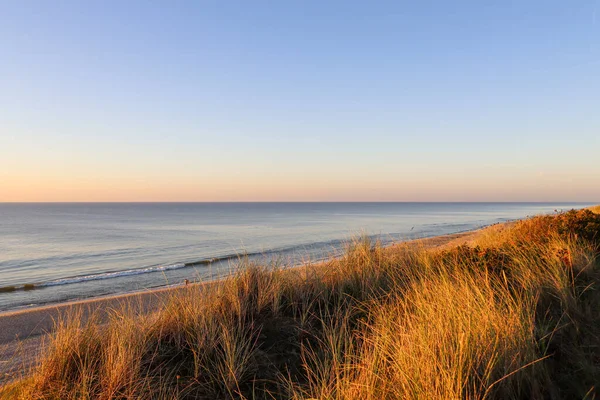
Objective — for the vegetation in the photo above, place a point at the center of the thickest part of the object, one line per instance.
(513, 315)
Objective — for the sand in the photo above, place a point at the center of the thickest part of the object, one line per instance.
(23, 332)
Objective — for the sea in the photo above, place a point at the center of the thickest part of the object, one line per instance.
(55, 252)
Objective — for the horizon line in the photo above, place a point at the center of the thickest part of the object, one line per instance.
(293, 201)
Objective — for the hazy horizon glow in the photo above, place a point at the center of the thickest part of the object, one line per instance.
(344, 101)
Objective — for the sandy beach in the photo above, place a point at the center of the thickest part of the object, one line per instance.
(22, 331)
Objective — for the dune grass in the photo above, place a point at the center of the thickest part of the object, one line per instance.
(595, 209)
(513, 315)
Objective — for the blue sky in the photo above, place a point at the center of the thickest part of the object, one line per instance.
(234, 101)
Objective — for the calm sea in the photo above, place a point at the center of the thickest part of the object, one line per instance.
(57, 252)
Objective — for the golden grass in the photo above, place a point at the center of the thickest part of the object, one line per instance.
(513, 315)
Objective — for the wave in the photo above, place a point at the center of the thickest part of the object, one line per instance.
(92, 277)
(161, 268)
(129, 272)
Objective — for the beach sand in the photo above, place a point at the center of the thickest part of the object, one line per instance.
(22, 332)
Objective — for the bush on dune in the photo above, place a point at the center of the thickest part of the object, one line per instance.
(511, 316)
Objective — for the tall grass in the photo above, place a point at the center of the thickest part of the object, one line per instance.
(595, 209)
(513, 315)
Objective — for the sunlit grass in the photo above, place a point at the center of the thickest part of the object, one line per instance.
(512, 315)
(595, 209)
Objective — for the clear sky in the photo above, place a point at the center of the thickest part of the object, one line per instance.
(300, 101)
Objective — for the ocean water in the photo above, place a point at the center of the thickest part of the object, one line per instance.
(64, 251)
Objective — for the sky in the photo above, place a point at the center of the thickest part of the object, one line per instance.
(300, 100)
